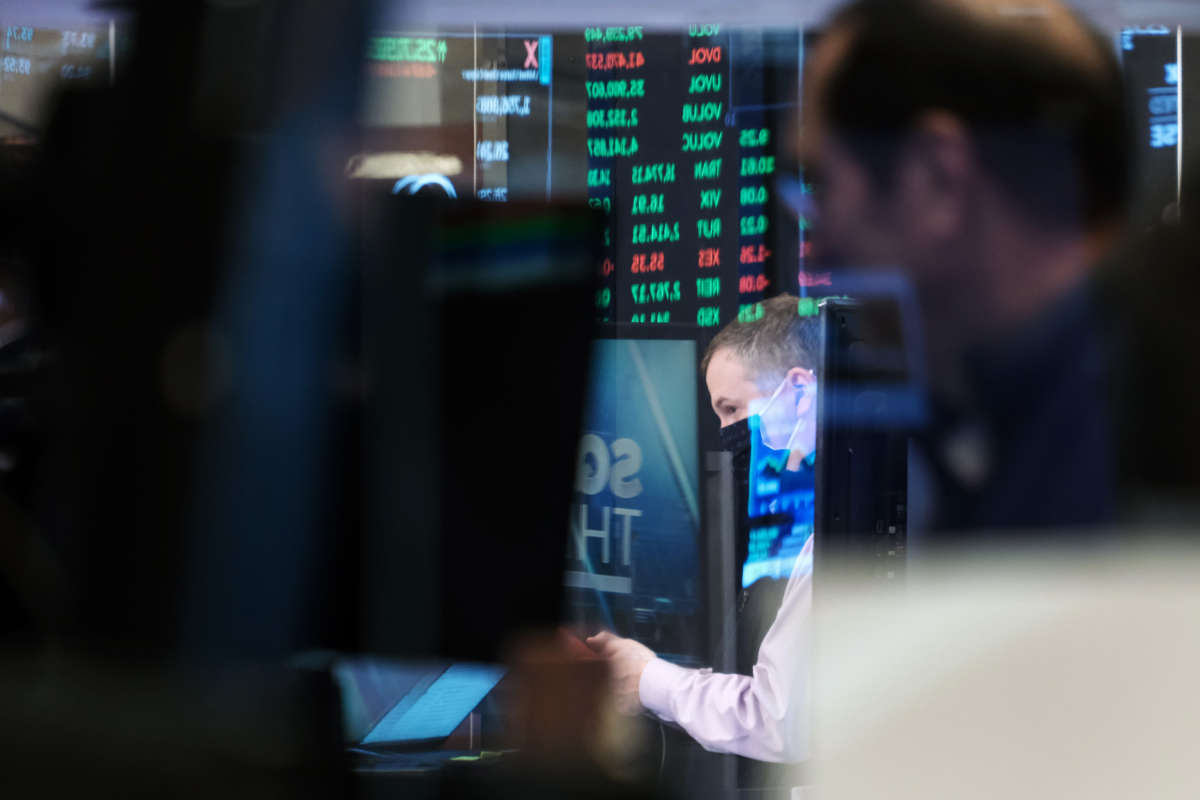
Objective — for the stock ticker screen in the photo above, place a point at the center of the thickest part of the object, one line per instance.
(683, 145)
(676, 137)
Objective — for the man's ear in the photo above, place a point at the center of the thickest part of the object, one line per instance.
(934, 177)
(804, 384)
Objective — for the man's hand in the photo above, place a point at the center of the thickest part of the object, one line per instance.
(627, 659)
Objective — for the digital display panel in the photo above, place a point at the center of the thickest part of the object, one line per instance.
(468, 113)
(677, 137)
(781, 498)
(1150, 62)
(34, 61)
(683, 135)
(633, 562)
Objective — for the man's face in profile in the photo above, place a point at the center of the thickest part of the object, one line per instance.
(736, 396)
(730, 388)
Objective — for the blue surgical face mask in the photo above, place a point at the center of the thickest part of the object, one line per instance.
(756, 424)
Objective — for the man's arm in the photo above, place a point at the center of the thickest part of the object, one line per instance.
(764, 716)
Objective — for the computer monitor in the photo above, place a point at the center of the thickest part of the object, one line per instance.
(397, 706)
(476, 344)
(677, 136)
(866, 412)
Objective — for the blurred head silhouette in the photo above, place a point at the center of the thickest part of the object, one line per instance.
(980, 146)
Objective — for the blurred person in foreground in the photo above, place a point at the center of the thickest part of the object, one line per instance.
(981, 148)
(766, 369)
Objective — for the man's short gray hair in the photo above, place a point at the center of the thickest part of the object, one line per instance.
(772, 343)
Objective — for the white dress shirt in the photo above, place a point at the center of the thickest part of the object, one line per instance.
(764, 716)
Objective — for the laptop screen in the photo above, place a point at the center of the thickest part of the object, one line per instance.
(393, 704)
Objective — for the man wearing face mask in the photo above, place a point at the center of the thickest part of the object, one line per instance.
(762, 384)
